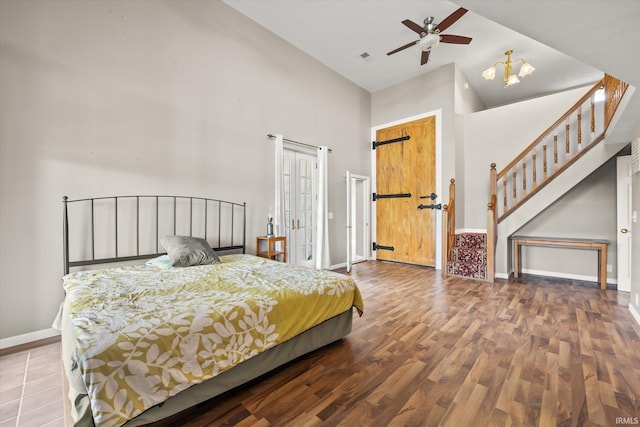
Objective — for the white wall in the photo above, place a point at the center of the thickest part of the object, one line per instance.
(586, 211)
(497, 136)
(466, 101)
(146, 97)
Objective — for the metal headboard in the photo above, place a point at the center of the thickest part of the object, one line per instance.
(234, 212)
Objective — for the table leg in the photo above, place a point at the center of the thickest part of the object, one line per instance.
(517, 259)
(602, 267)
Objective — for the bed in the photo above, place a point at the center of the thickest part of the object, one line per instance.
(170, 320)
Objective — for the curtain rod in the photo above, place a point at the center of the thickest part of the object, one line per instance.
(297, 142)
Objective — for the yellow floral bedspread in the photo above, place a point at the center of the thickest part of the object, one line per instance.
(143, 334)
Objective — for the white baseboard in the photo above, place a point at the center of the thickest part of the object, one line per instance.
(472, 230)
(344, 264)
(337, 266)
(28, 337)
(634, 313)
(502, 276)
(567, 276)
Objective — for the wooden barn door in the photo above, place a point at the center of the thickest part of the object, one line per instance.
(405, 193)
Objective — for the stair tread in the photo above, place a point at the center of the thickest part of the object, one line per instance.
(466, 248)
(468, 277)
(473, 271)
(471, 240)
(482, 264)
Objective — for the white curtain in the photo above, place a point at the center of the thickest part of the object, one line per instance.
(322, 235)
(279, 228)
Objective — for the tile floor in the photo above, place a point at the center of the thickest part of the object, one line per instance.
(31, 388)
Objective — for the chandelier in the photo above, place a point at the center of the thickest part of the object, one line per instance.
(509, 78)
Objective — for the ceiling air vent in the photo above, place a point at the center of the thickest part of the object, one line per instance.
(366, 57)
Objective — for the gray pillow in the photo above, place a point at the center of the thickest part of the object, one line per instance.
(184, 251)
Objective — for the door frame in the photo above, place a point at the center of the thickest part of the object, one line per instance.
(364, 221)
(292, 257)
(623, 220)
(438, 117)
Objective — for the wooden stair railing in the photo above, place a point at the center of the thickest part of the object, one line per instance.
(564, 142)
(448, 225)
(557, 148)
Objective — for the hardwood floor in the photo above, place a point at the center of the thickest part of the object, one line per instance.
(434, 351)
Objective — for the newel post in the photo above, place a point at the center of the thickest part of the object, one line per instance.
(492, 223)
(445, 238)
(491, 247)
(452, 197)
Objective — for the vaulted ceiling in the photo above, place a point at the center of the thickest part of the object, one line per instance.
(570, 43)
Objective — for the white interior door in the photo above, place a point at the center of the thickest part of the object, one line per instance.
(300, 187)
(624, 222)
(358, 233)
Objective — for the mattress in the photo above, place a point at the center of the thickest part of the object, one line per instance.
(116, 327)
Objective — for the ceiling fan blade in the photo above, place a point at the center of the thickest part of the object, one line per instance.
(450, 38)
(402, 47)
(413, 26)
(451, 19)
(425, 57)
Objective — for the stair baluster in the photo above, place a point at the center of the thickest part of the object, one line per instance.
(574, 147)
(544, 160)
(579, 127)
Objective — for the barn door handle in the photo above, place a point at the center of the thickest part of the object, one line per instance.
(431, 196)
(438, 206)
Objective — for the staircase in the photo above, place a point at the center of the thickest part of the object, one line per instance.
(576, 138)
(468, 256)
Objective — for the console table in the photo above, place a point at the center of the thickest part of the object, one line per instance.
(560, 242)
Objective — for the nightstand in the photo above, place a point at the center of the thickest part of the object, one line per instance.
(274, 248)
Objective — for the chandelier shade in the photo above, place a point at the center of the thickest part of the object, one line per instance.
(489, 73)
(526, 69)
(510, 79)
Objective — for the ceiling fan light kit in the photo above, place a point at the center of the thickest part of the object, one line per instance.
(510, 79)
(429, 41)
(430, 34)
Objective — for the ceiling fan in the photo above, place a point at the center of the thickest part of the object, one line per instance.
(430, 34)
